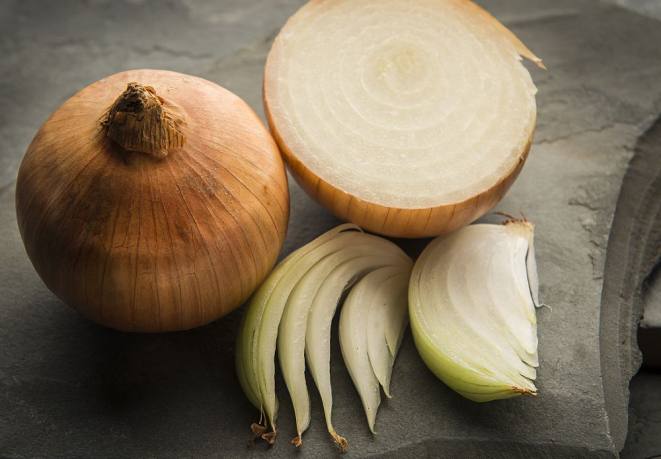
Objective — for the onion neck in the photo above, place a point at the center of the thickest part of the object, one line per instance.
(139, 121)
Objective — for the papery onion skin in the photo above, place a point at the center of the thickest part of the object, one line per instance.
(396, 221)
(151, 245)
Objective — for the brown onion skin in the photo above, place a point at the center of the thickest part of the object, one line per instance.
(392, 221)
(151, 245)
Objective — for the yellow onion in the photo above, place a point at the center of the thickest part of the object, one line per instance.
(153, 201)
(409, 119)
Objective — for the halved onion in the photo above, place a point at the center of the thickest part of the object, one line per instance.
(409, 119)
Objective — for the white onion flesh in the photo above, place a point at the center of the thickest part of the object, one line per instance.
(294, 308)
(372, 325)
(320, 290)
(472, 301)
(405, 104)
(266, 338)
(388, 321)
(252, 318)
(322, 311)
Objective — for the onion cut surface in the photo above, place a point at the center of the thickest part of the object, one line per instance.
(407, 118)
(472, 299)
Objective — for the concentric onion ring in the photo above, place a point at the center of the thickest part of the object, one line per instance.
(408, 118)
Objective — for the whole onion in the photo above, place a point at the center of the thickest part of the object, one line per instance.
(153, 201)
(409, 119)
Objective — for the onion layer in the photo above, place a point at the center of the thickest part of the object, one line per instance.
(372, 325)
(295, 307)
(408, 119)
(472, 299)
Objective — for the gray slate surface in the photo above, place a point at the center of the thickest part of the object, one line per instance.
(644, 438)
(71, 388)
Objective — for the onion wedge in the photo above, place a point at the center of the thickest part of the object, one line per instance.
(472, 299)
(372, 325)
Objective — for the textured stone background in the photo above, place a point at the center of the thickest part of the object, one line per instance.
(644, 435)
(71, 388)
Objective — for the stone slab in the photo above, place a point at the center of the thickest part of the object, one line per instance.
(71, 388)
(634, 248)
(644, 437)
(646, 167)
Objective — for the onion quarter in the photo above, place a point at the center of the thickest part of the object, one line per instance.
(472, 300)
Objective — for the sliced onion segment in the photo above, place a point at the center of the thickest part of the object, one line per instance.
(388, 320)
(309, 313)
(372, 325)
(252, 318)
(250, 329)
(472, 298)
(294, 308)
(322, 310)
(407, 118)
